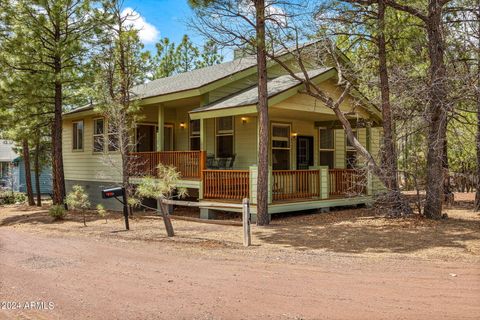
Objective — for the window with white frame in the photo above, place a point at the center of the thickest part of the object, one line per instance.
(327, 147)
(224, 137)
(98, 135)
(77, 135)
(351, 152)
(194, 134)
(280, 146)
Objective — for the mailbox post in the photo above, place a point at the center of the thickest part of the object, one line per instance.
(115, 193)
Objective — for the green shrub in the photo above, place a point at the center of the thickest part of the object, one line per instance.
(77, 199)
(19, 197)
(102, 212)
(7, 197)
(57, 212)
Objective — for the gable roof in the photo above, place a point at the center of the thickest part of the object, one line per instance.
(193, 79)
(199, 81)
(250, 96)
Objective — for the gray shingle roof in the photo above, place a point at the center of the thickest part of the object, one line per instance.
(80, 109)
(185, 81)
(193, 79)
(250, 95)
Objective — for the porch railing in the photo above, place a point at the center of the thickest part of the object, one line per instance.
(226, 184)
(347, 182)
(189, 163)
(295, 184)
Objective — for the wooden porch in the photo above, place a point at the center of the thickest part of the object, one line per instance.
(234, 185)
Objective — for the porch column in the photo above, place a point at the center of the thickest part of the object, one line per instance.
(323, 189)
(205, 99)
(324, 180)
(161, 124)
(253, 184)
(203, 134)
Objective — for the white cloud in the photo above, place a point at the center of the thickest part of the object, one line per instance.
(273, 11)
(146, 32)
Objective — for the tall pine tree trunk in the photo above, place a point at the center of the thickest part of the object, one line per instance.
(28, 173)
(37, 172)
(57, 157)
(436, 112)
(263, 217)
(389, 155)
(397, 203)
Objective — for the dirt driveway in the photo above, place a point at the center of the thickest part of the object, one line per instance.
(99, 272)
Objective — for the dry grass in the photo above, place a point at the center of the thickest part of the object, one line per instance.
(354, 231)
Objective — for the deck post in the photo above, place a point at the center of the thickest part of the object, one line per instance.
(324, 182)
(253, 183)
(203, 134)
(207, 214)
(318, 187)
(161, 125)
(200, 189)
(270, 185)
(247, 241)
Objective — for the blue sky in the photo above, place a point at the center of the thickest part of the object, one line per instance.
(162, 18)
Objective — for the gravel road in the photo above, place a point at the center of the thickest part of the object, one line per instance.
(81, 278)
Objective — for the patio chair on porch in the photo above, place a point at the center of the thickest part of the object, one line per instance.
(222, 163)
(232, 161)
(211, 162)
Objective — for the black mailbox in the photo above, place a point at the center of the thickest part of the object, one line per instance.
(112, 193)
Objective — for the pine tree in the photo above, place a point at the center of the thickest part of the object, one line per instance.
(120, 66)
(49, 40)
(166, 59)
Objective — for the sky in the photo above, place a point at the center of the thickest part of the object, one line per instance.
(162, 18)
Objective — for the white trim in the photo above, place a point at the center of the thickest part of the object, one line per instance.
(288, 139)
(98, 134)
(192, 134)
(320, 150)
(224, 133)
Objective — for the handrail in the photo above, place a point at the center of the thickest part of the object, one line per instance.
(226, 184)
(347, 181)
(189, 163)
(295, 184)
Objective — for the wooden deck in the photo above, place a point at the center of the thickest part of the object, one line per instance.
(287, 186)
(292, 205)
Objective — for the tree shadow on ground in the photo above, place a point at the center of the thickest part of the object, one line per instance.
(359, 231)
(39, 216)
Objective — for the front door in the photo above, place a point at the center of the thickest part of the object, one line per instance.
(146, 139)
(304, 152)
(168, 137)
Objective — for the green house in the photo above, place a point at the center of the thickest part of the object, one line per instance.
(205, 123)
